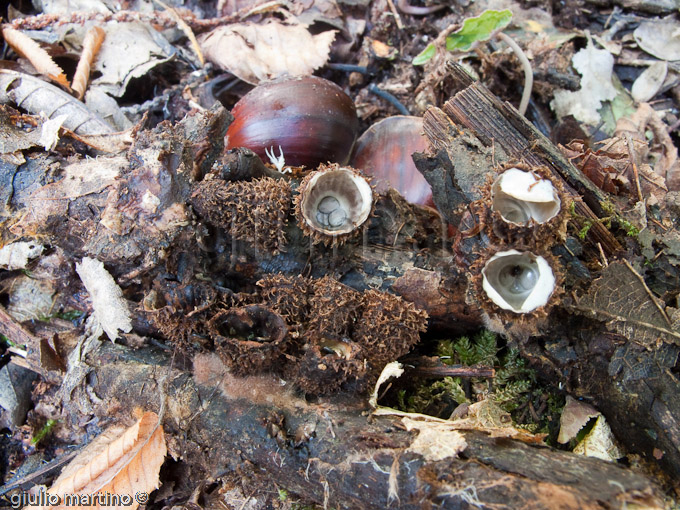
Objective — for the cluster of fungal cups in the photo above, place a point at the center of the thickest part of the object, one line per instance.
(524, 212)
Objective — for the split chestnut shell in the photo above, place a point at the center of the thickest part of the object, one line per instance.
(518, 281)
(332, 203)
(520, 197)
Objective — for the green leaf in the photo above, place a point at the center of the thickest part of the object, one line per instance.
(424, 55)
(474, 30)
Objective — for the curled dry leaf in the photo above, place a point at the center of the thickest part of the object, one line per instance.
(257, 53)
(648, 84)
(91, 44)
(32, 51)
(110, 308)
(35, 96)
(121, 463)
(659, 38)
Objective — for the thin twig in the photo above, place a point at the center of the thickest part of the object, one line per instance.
(452, 371)
(526, 67)
(395, 13)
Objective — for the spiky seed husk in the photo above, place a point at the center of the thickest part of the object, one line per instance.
(249, 339)
(388, 327)
(251, 211)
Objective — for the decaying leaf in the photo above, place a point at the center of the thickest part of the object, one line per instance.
(393, 369)
(91, 45)
(595, 67)
(435, 441)
(647, 85)
(124, 463)
(110, 308)
(574, 417)
(622, 299)
(15, 395)
(659, 38)
(143, 49)
(257, 53)
(599, 442)
(49, 134)
(32, 51)
(16, 255)
(35, 96)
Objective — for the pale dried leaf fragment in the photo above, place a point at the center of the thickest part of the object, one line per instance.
(38, 57)
(435, 441)
(49, 133)
(91, 45)
(596, 67)
(110, 308)
(599, 442)
(660, 38)
(648, 84)
(574, 417)
(118, 462)
(623, 301)
(16, 255)
(184, 28)
(257, 53)
(393, 369)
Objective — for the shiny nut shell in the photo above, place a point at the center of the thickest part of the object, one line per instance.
(311, 118)
(384, 152)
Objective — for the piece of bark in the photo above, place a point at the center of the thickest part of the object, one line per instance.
(331, 453)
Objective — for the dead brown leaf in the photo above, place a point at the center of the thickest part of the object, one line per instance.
(91, 44)
(621, 298)
(257, 53)
(574, 417)
(31, 50)
(123, 463)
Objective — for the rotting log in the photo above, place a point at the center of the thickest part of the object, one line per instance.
(333, 453)
(636, 386)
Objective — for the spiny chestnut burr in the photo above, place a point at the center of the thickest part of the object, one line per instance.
(384, 152)
(311, 118)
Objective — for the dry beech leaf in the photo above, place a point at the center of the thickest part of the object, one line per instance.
(622, 299)
(184, 28)
(35, 96)
(91, 44)
(118, 462)
(110, 308)
(257, 53)
(32, 51)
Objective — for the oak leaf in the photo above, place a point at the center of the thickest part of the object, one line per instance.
(121, 463)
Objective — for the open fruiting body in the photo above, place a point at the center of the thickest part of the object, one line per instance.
(384, 152)
(520, 282)
(520, 197)
(310, 118)
(332, 203)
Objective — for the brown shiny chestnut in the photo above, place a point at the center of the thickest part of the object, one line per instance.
(311, 118)
(384, 153)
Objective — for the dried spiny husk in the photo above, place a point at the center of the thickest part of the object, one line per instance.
(178, 310)
(333, 307)
(525, 205)
(388, 327)
(287, 295)
(252, 211)
(516, 289)
(328, 365)
(332, 204)
(249, 339)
